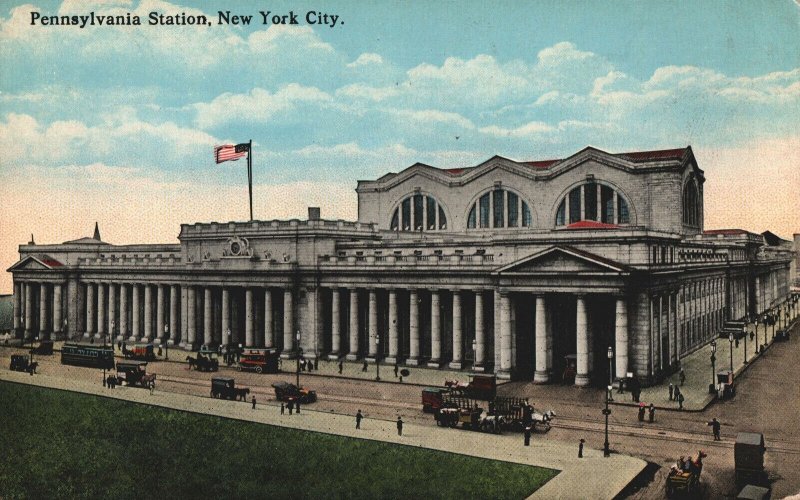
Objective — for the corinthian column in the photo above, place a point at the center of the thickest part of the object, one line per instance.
(457, 331)
(353, 354)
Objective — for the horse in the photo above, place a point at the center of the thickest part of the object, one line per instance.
(149, 380)
(241, 393)
(192, 363)
(492, 423)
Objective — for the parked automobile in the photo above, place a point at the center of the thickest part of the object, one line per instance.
(284, 391)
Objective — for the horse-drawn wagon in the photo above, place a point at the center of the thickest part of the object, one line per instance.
(134, 373)
(225, 388)
(21, 363)
(684, 477)
(206, 361)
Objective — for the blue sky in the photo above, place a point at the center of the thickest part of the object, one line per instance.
(117, 124)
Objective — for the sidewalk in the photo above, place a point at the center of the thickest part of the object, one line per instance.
(592, 476)
(698, 369)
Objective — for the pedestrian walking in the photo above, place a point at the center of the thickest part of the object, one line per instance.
(682, 376)
(396, 370)
(283, 408)
(291, 407)
(399, 426)
(580, 448)
(680, 401)
(254, 402)
(671, 391)
(359, 417)
(715, 425)
(341, 366)
(652, 412)
(641, 412)
(364, 368)
(527, 435)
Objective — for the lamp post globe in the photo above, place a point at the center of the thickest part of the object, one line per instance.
(474, 353)
(610, 355)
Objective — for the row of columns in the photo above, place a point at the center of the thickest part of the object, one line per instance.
(352, 349)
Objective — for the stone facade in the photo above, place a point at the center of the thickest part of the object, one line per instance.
(521, 268)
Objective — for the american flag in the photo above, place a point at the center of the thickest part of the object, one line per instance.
(228, 152)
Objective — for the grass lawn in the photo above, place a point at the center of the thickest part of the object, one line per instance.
(58, 444)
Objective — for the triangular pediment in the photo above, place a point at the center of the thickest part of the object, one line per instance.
(562, 260)
(35, 263)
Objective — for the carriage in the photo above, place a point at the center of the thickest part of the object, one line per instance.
(726, 387)
(206, 361)
(134, 373)
(21, 363)
(684, 479)
(259, 360)
(225, 388)
(45, 348)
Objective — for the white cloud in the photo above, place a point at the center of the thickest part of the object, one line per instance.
(529, 130)
(257, 105)
(366, 59)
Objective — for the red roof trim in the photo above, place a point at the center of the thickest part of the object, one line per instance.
(660, 154)
(590, 224)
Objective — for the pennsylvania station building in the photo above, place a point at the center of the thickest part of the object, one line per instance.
(512, 267)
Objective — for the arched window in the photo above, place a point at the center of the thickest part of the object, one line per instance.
(418, 212)
(593, 201)
(691, 204)
(499, 208)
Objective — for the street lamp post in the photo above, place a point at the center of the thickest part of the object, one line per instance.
(607, 412)
(299, 354)
(610, 372)
(744, 336)
(730, 339)
(377, 357)
(775, 319)
(228, 347)
(713, 366)
(474, 353)
(165, 343)
(766, 321)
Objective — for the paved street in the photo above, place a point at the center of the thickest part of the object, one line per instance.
(766, 401)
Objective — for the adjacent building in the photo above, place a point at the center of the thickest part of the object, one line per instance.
(527, 269)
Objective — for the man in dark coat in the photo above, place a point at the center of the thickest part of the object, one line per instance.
(715, 425)
(359, 416)
(399, 426)
(580, 448)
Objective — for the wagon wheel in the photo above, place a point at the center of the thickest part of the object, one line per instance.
(454, 423)
(259, 369)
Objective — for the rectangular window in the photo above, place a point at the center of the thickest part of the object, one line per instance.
(624, 216)
(498, 208)
(406, 214)
(513, 206)
(607, 204)
(590, 200)
(417, 211)
(431, 209)
(574, 205)
(484, 210)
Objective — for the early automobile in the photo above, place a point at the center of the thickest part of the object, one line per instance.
(45, 348)
(748, 455)
(139, 351)
(225, 388)
(134, 373)
(284, 391)
(259, 360)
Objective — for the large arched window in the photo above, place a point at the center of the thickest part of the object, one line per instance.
(418, 212)
(593, 201)
(499, 208)
(691, 204)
